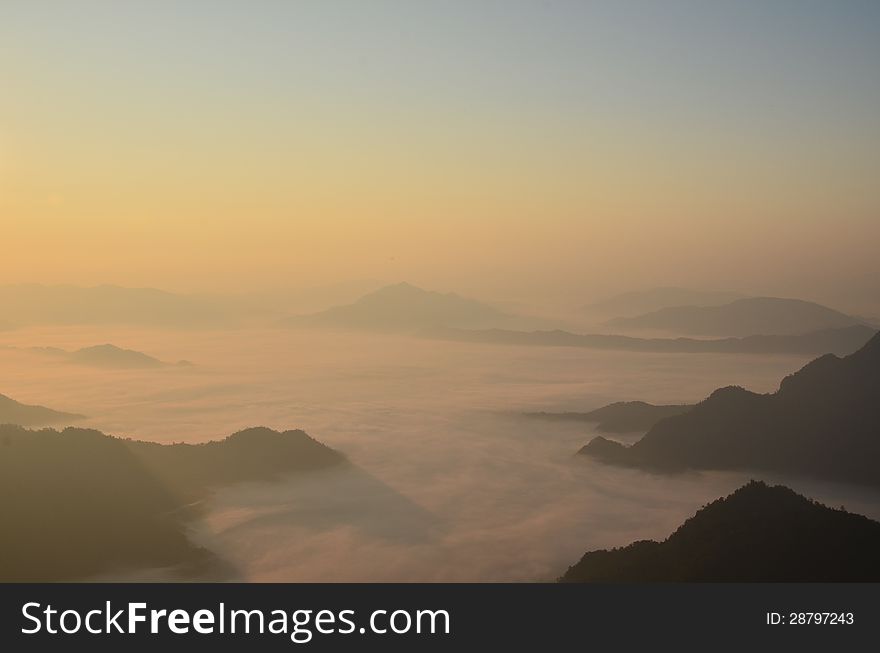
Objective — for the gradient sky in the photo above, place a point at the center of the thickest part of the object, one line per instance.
(500, 148)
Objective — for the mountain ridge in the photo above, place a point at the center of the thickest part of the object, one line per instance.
(823, 421)
(403, 307)
(109, 356)
(636, 302)
(112, 503)
(743, 317)
(841, 341)
(14, 412)
(758, 533)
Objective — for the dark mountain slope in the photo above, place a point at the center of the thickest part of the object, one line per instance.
(253, 454)
(757, 534)
(823, 421)
(13, 412)
(77, 502)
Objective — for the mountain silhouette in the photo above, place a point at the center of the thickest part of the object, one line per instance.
(30, 304)
(252, 454)
(823, 421)
(36, 304)
(78, 502)
(841, 341)
(619, 417)
(743, 317)
(13, 412)
(644, 301)
(757, 534)
(404, 307)
(107, 355)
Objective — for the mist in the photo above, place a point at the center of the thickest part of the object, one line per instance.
(447, 480)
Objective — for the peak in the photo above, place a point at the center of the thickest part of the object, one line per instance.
(730, 398)
(253, 432)
(407, 291)
(761, 494)
(112, 350)
(729, 392)
(403, 287)
(754, 487)
(263, 433)
(601, 446)
(106, 348)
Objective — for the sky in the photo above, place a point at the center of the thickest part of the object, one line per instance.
(502, 149)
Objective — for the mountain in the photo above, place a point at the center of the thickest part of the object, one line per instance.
(36, 304)
(757, 534)
(644, 301)
(13, 412)
(743, 317)
(78, 502)
(841, 341)
(252, 454)
(107, 355)
(620, 417)
(823, 421)
(29, 304)
(404, 307)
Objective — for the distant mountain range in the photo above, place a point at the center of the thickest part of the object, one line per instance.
(645, 301)
(77, 503)
(619, 417)
(36, 304)
(28, 304)
(757, 534)
(13, 412)
(404, 307)
(743, 317)
(107, 355)
(823, 421)
(838, 341)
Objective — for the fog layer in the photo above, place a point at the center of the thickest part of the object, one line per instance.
(447, 482)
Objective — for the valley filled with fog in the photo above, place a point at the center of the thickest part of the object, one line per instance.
(448, 480)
